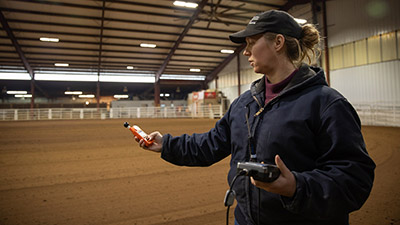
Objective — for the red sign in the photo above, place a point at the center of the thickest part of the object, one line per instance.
(208, 95)
(195, 96)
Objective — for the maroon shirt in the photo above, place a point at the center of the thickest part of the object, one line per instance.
(272, 90)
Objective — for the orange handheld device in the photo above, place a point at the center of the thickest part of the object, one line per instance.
(139, 133)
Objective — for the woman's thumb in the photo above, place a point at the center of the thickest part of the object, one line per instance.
(281, 165)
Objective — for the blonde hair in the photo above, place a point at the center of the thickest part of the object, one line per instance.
(304, 48)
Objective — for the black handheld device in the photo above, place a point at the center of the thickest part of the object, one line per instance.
(259, 171)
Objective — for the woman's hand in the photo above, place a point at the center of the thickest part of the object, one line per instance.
(157, 144)
(285, 185)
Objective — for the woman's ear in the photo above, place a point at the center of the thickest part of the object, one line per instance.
(279, 42)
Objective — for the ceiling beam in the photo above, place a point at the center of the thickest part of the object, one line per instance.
(66, 4)
(211, 76)
(113, 28)
(123, 57)
(179, 41)
(21, 54)
(120, 37)
(290, 4)
(142, 4)
(116, 44)
(115, 57)
(17, 47)
(112, 19)
(110, 28)
(78, 62)
(180, 8)
(258, 3)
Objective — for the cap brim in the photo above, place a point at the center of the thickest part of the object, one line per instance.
(240, 37)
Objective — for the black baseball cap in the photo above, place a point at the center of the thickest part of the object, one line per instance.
(275, 21)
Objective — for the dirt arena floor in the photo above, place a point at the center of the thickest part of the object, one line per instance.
(93, 172)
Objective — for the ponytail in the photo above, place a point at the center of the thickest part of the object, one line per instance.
(309, 39)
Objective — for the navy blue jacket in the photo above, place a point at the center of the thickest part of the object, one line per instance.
(314, 130)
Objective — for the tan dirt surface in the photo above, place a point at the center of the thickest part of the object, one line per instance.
(93, 172)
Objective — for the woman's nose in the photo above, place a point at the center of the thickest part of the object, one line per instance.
(246, 52)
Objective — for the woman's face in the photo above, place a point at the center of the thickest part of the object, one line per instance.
(260, 53)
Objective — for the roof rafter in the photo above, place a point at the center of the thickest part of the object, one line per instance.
(178, 42)
(69, 15)
(112, 28)
(16, 45)
(21, 54)
(211, 76)
(258, 3)
(119, 37)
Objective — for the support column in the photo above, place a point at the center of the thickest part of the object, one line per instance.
(157, 93)
(315, 9)
(98, 93)
(33, 91)
(238, 73)
(100, 52)
(328, 79)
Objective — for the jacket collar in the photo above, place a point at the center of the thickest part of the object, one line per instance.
(306, 76)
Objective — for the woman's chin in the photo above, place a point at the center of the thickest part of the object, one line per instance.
(256, 70)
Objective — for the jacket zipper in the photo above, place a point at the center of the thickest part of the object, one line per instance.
(263, 107)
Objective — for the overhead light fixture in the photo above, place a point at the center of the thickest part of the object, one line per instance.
(194, 70)
(23, 96)
(86, 96)
(186, 4)
(85, 77)
(121, 96)
(128, 79)
(146, 45)
(54, 76)
(73, 92)
(182, 77)
(164, 95)
(14, 76)
(17, 92)
(227, 51)
(61, 64)
(47, 39)
(130, 67)
(300, 21)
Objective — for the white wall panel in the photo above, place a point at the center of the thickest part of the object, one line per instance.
(230, 92)
(351, 20)
(372, 83)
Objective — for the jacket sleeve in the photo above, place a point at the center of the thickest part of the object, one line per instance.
(344, 172)
(199, 149)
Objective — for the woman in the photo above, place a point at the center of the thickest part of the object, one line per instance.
(290, 118)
